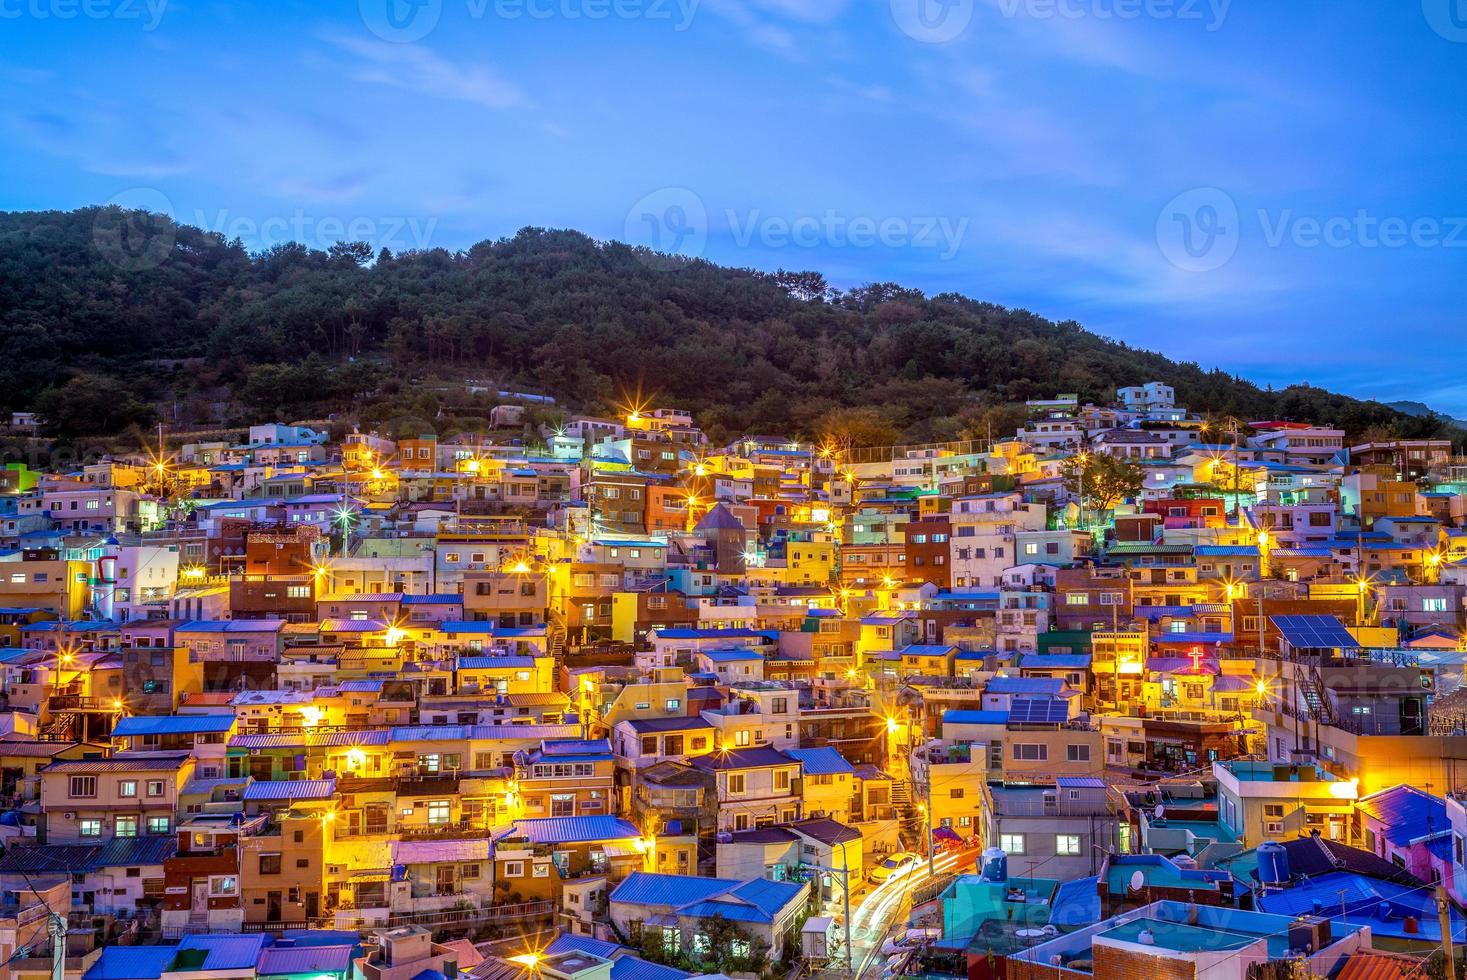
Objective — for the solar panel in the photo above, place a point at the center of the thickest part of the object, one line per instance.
(1315, 632)
(1039, 711)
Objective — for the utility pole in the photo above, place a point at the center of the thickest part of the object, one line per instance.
(845, 885)
(1444, 914)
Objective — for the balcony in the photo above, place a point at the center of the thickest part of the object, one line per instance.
(78, 702)
(452, 830)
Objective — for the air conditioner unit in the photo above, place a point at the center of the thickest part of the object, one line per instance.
(70, 814)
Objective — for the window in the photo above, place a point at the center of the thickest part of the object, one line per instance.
(782, 779)
(127, 787)
(736, 783)
(741, 737)
(1067, 845)
(223, 886)
(674, 704)
(1077, 753)
(158, 825)
(155, 787)
(956, 793)
(1030, 752)
(83, 787)
(269, 864)
(470, 872)
(439, 811)
(126, 826)
(89, 827)
(514, 869)
(1011, 843)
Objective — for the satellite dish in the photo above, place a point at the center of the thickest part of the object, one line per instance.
(1138, 881)
(1160, 811)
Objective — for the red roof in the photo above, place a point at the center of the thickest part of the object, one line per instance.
(1376, 966)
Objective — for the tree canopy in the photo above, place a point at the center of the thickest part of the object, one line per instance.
(220, 334)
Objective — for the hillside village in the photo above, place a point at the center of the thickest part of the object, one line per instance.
(1126, 689)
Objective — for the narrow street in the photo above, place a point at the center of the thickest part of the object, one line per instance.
(882, 911)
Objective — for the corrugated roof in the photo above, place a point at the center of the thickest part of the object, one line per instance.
(121, 763)
(1406, 813)
(277, 961)
(312, 740)
(84, 858)
(131, 963)
(572, 830)
(495, 663)
(822, 761)
(291, 789)
(137, 725)
(224, 952)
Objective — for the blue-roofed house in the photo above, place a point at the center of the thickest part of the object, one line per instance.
(317, 962)
(131, 963)
(532, 857)
(680, 907)
(1407, 826)
(829, 782)
(731, 665)
(203, 735)
(928, 659)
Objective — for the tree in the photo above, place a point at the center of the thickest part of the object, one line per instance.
(1103, 480)
(89, 405)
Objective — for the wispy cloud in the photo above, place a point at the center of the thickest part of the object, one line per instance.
(417, 68)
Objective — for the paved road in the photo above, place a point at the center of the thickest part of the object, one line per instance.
(883, 911)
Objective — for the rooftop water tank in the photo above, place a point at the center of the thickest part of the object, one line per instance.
(995, 865)
(1273, 863)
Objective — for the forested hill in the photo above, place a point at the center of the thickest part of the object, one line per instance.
(105, 316)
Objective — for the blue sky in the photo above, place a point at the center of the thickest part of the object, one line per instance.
(1271, 187)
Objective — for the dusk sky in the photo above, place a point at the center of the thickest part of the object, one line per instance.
(1275, 187)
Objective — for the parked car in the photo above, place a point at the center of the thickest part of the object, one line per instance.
(909, 940)
(894, 866)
